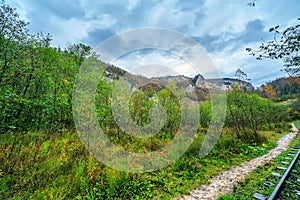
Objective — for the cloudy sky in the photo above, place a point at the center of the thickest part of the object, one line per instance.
(224, 28)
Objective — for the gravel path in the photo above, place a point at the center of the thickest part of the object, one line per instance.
(226, 181)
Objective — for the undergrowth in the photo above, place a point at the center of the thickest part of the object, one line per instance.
(38, 166)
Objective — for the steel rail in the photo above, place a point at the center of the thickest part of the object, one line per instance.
(279, 186)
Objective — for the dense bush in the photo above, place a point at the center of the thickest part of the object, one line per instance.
(248, 113)
(36, 80)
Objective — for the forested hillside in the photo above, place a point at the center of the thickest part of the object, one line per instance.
(286, 91)
(281, 87)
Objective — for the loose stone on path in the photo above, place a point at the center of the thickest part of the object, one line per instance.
(225, 182)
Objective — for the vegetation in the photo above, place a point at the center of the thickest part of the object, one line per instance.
(286, 92)
(38, 165)
(248, 113)
(280, 88)
(239, 74)
(254, 183)
(40, 151)
(36, 80)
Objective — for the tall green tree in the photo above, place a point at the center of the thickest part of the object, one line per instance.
(36, 79)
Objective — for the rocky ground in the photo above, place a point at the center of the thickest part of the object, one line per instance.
(226, 181)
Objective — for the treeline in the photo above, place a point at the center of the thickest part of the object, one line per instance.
(284, 89)
(36, 80)
(281, 87)
(247, 114)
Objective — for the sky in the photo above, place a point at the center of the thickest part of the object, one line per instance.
(224, 29)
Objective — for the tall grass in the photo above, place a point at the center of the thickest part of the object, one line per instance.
(39, 166)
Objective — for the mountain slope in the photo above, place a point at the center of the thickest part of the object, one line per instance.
(196, 88)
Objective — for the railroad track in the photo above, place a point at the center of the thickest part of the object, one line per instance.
(286, 179)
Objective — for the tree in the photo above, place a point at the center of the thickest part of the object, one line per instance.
(248, 112)
(268, 91)
(205, 114)
(36, 80)
(13, 32)
(239, 74)
(79, 52)
(286, 49)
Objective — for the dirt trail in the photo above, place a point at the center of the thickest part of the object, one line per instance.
(226, 181)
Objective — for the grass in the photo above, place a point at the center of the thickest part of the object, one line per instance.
(254, 182)
(297, 124)
(38, 166)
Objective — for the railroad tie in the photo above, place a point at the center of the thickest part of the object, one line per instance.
(260, 196)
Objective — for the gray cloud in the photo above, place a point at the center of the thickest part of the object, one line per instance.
(125, 17)
(253, 32)
(187, 6)
(196, 7)
(64, 8)
(209, 42)
(97, 36)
